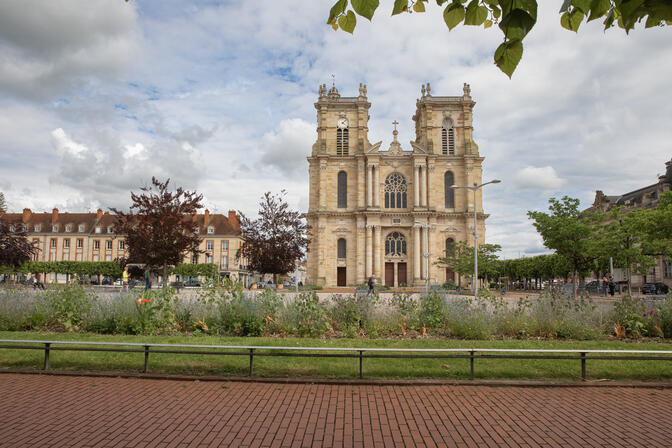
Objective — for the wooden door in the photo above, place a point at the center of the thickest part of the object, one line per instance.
(450, 275)
(401, 274)
(389, 274)
(341, 276)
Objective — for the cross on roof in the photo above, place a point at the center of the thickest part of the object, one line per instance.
(395, 123)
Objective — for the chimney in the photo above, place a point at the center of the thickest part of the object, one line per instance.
(194, 217)
(99, 214)
(26, 215)
(234, 219)
(206, 219)
(54, 216)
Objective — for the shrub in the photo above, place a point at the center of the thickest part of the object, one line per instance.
(65, 305)
(304, 316)
(351, 314)
(431, 311)
(468, 320)
(17, 310)
(630, 314)
(665, 315)
(243, 316)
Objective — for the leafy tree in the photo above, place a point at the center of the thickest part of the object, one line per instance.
(515, 18)
(157, 230)
(15, 248)
(569, 233)
(273, 243)
(460, 258)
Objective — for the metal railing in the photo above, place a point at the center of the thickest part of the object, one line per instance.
(359, 353)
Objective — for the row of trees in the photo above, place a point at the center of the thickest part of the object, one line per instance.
(584, 243)
(158, 235)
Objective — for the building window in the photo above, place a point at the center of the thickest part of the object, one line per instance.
(395, 244)
(209, 245)
(81, 228)
(225, 261)
(448, 180)
(38, 227)
(53, 243)
(211, 230)
(96, 257)
(341, 247)
(12, 228)
(80, 243)
(194, 259)
(342, 189)
(98, 229)
(66, 243)
(108, 257)
(208, 258)
(448, 138)
(395, 191)
(108, 245)
(225, 245)
(342, 142)
(68, 228)
(450, 245)
(96, 244)
(110, 229)
(667, 268)
(122, 245)
(54, 228)
(197, 229)
(36, 245)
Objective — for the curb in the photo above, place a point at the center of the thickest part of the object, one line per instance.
(347, 382)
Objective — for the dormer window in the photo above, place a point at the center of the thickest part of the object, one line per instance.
(54, 228)
(98, 229)
(196, 229)
(12, 228)
(81, 228)
(38, 227)
(211, 230)
(110, 229)
(68, 228)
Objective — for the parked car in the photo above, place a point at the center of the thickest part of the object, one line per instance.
(192, 282)
(655, 288)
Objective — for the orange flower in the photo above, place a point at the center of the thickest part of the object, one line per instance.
(145, 300)
(138, 301)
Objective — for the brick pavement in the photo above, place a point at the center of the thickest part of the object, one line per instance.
(53, 411)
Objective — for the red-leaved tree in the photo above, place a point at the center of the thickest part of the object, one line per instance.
(277, 240)
(158, 228)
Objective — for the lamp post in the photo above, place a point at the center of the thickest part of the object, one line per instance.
(475, 188)
(426, 253)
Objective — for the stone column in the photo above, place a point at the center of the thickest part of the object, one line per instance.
(396, 279)
(369, 195)
(425, 249)
(416, 253)
(376, 253)
(423, 186)
(416, 186)
(369, 251)
(376, 185)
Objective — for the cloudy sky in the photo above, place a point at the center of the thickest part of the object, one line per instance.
(98, 96)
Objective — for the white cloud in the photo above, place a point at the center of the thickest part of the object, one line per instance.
(286, 147)
(66, 146)
(543, 178)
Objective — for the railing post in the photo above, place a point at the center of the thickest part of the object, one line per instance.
(46, 355)
(471, 362)
(146, 358)
(360, 364)
(583, 366)
(251, 360)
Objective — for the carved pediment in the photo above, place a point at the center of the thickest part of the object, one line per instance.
(418, 149)
(374, 148)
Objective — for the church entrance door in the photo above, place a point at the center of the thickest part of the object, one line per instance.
(450, 275)
(401, 274)
(389, 274)
(340, 276)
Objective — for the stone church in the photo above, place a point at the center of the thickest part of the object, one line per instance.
(390, 213)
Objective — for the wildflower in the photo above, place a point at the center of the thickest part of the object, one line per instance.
(145, 300)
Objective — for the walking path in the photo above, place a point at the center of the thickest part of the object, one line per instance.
(42, 410)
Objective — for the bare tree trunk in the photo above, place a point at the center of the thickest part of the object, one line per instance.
(629, 280)
(165, 276)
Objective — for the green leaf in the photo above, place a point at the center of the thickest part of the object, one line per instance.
(583, 5)
(487, 24)
(475, 15)
(419, 6)
(517, 24)
(399, 7)
(508, 55)
(453, 15)
(496, 12)
(336, 10)
(598, 8)
(347, 22)
(572, 20)
(365, 8)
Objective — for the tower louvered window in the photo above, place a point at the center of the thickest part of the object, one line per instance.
(448, 138)
(342, 189)
(342, 142)
(448, 181)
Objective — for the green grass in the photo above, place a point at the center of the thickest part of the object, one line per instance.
(281, 367)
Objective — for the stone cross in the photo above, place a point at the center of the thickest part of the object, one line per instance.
(395, 123)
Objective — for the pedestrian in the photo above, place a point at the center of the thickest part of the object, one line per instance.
(605, 285)
(38, 283)
(148, 278)
(612, 286)
(124, 279)
(370, 283)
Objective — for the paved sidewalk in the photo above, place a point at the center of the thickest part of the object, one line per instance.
(42, 410)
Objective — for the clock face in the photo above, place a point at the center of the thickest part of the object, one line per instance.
(342, 123)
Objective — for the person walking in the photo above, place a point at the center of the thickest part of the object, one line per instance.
(124, 279)
(612, 286)
(370, 283)
(148, 278)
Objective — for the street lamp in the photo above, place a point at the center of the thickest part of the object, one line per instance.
(426, 254)
(475, 188)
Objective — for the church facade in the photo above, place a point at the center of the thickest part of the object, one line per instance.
(390, 213)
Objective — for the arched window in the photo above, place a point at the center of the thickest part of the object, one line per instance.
(342, 143)
(448, 180)
(448, 138)
(395, 191)
(450, 245)
(395, 244)
(342, 189)
(341, 247)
